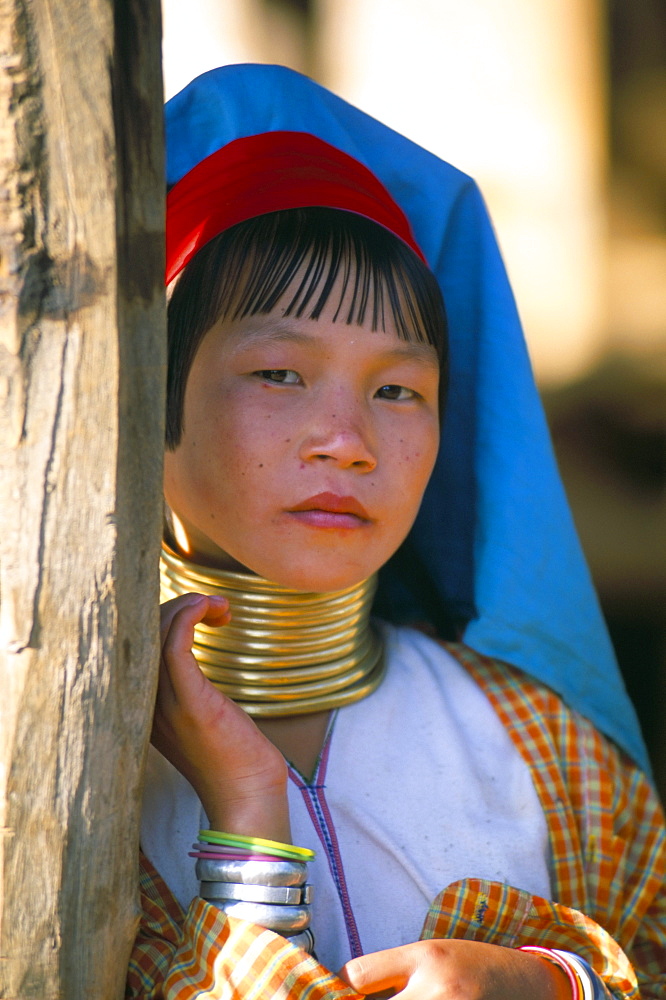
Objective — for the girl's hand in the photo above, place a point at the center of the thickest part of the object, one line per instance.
(451, 969)
(240, 777)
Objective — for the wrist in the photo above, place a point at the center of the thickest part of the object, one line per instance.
(565, 983)
(258, 880)
(261, 813)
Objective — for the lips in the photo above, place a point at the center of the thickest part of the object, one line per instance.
(330, 511)
(330, 503)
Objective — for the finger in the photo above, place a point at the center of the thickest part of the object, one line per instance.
(170, 609)
(214, 610)
(180, 616)
(169, 612)
(179, 636)
(388, 970)
(183, 682)
(177, 662)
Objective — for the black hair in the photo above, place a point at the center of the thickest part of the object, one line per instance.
(249, 268)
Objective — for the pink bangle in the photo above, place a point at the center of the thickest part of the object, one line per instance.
(552, 956)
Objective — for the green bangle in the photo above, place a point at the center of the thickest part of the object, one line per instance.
(254, 843)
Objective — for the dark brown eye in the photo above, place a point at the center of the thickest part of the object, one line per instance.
(283, 376)
(395, 392)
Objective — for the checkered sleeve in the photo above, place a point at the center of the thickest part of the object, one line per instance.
(607, 845)
(608, 877)
(495, 913)
(205, 954)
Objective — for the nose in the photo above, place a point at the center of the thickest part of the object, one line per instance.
(340, 439)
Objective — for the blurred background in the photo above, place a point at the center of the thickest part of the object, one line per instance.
(558, 109)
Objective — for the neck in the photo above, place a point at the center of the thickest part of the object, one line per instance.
(285, 652)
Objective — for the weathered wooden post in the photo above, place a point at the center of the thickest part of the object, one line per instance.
(81, 372)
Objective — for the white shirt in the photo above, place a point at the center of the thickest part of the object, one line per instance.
(422, 786)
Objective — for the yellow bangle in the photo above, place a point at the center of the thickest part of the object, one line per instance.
(252, 843)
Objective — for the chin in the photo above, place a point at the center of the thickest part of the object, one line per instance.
(316, 579)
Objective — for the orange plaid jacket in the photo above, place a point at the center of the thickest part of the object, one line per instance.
(607, 869)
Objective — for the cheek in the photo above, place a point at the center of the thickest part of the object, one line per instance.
(245, 453)
(416, 455)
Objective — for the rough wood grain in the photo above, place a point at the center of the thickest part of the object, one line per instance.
(81, 374)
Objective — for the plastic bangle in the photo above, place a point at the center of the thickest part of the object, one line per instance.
(241, 856)
(274, 852)
(590, 984)
(251, 843)
(561, 963)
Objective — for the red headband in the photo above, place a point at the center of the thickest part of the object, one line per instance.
(266, 173)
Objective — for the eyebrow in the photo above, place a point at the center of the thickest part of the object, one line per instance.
(419, 352)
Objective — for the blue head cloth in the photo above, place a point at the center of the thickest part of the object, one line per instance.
(494, 546)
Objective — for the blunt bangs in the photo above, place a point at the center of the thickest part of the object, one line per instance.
(298, 259)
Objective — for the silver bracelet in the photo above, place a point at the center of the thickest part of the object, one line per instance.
(304, 940)
(256, 893)
(284, 919)
(252, 872)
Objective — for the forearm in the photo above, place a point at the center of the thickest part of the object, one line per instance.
(493, 912)
(238, 774)
(202, 953)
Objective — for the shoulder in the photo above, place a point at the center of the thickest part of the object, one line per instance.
(576, 769)
(521, 701)
(607, 825)
(570, 759)
(533, 712)
(439, 676)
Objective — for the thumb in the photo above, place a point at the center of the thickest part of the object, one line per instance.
(381, 970)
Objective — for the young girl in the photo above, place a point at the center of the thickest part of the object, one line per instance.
(480, 828)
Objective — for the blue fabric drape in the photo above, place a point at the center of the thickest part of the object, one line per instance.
(494, 544)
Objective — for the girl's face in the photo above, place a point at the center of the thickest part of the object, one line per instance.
(306, 448)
